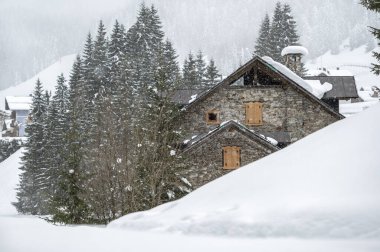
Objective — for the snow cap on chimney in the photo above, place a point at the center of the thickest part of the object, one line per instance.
(294, 50)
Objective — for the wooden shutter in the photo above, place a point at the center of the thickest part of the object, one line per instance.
(231, 157)
(254, 113)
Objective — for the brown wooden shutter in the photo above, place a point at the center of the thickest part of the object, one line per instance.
(231, 157)
(254, 113)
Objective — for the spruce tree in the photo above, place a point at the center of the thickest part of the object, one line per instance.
(68, 206)
(374, 6)
(276, 35)
(290, 30)
(200, 66)
(55, 137)
(189, 73)
(101, 68)
(212, 75)
(262, 47)
(32, 194)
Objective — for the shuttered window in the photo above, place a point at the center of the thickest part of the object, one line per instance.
(231, 157)
(254, 113)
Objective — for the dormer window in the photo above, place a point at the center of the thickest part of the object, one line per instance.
(213, 117)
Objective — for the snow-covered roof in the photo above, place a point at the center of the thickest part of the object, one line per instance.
(317, 89)
(294, 50)
(18, 102)
(225, 125)
(329, 72)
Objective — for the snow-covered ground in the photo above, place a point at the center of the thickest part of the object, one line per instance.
(319, 194)
(323, 186)
(48, 77)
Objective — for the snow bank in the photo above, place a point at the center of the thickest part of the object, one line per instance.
(294, 50)
(35, 235)
(9, 173)
(48, 77)
(350, 109)
(316, 90)
(323, 186)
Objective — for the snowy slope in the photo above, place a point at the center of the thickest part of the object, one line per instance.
(48, 77)
(323, 186)
(9, 173)
(357, 61)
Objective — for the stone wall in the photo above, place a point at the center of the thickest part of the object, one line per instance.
(284, 109)
(205, 160)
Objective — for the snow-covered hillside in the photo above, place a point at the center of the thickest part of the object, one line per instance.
(323, 186)
(48, 77)
(357, 61)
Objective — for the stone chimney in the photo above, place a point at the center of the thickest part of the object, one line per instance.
(293, 56)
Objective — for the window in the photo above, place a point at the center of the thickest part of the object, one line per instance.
(213, 117)
(254, 113)
(231, 157)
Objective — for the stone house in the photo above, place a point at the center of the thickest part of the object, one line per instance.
(258, 109)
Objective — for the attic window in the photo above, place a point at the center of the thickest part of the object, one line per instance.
(213, 117)
(254, 113)
(231, 157)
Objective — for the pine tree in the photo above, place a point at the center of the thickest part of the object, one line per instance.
(158, 163)
(374, 6)
(262, 47)
(56, 142)
(101, 70)
(115, 56)
(68, 206)
(276, 35)
(212, 75)
(200, 66)
(290, 28)
(32, 192)
(189, 73)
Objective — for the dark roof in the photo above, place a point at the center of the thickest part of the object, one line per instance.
(343, 86)
(183, 96)
(280, 136)
(225, 126)
(248, 66)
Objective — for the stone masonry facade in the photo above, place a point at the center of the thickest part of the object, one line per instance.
(284, 109)
(205, 160)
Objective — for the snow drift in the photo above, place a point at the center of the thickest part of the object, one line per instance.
(323, 186)
(48, 77)
(9, 174)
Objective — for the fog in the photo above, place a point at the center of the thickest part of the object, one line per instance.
(35, 33)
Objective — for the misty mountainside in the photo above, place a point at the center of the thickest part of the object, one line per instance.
(36, 33)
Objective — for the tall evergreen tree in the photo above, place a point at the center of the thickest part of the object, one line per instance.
(189, 73)
(289, 24)
(374, 6)
(200, 65)
(212, 75)
(55, 136)
(67, 206)
(262, 47)
(115, 56)
(101, 70)
(276, 35)
(32, 192)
